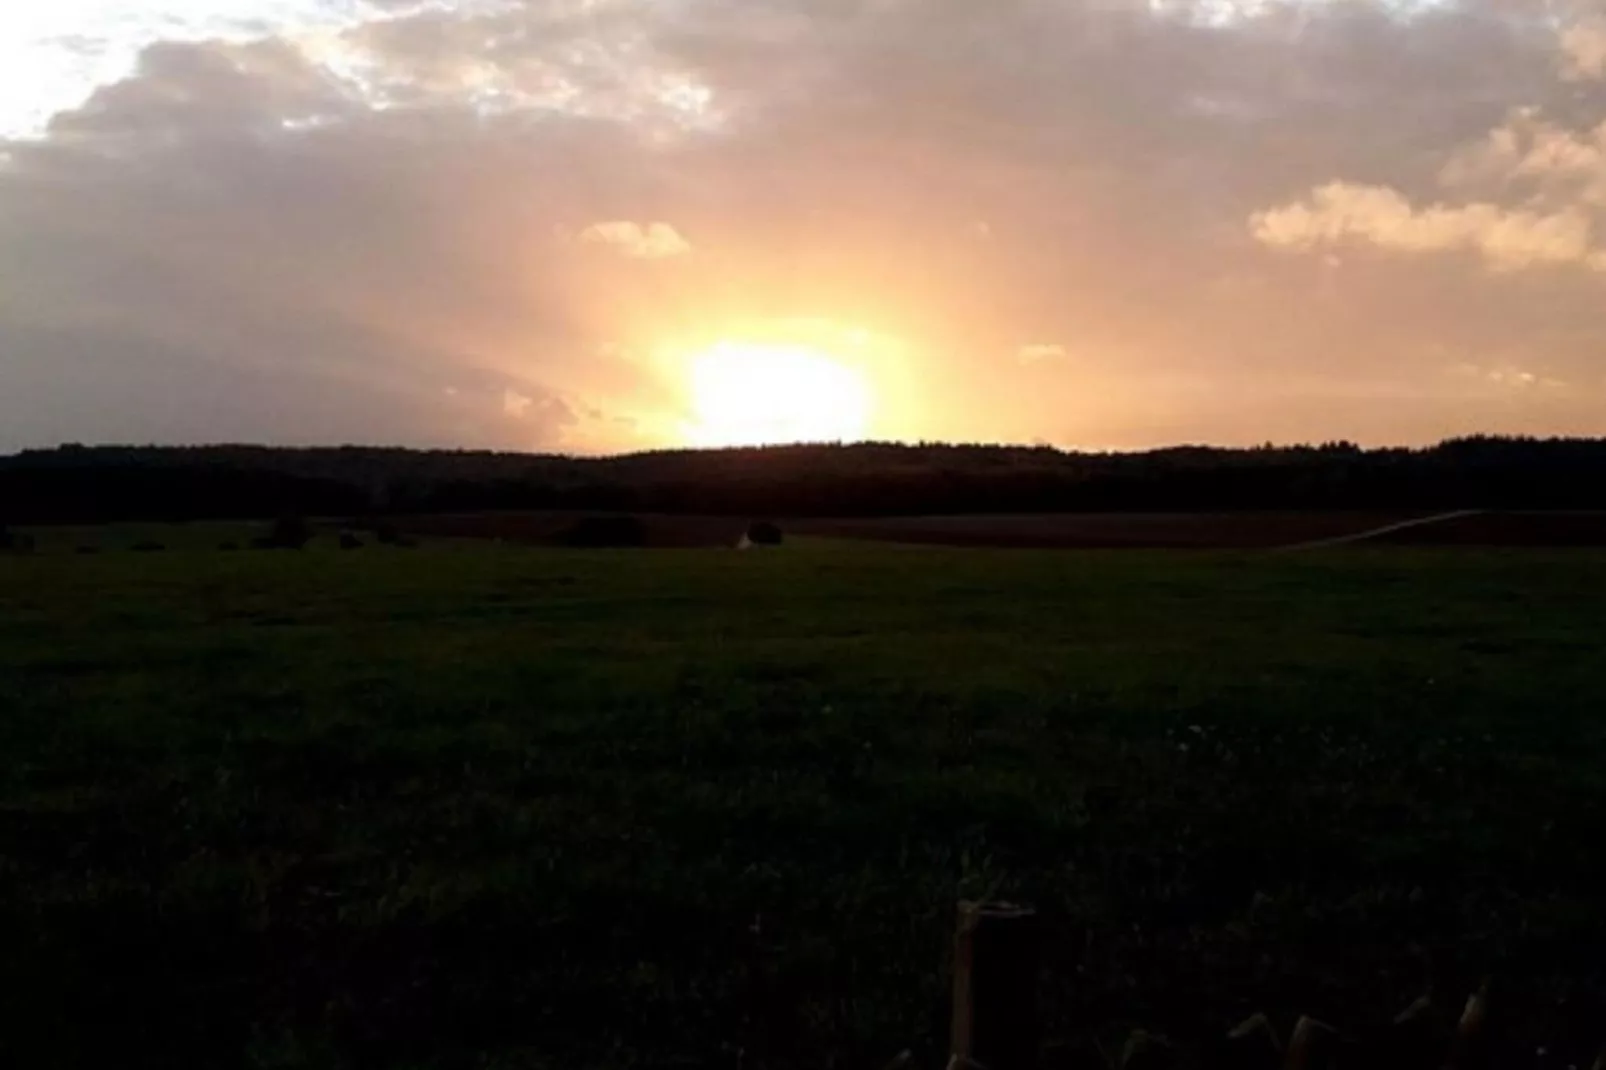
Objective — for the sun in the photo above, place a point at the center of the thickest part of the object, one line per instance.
(755, 394)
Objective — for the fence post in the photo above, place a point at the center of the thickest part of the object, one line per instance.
(1469, 1049)
(995, 1021)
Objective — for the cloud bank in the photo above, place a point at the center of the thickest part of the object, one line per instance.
(509, 224)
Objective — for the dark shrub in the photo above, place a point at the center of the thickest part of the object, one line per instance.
(288, 533)
(148, 548)
(387, 535)
(605, 532)
(348, 541)
(15, 542)
(765, 533)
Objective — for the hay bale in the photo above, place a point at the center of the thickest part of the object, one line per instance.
(765, 533)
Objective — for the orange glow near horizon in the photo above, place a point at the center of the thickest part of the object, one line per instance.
(758, 394)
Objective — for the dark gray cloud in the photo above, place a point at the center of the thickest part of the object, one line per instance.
(1226, 222)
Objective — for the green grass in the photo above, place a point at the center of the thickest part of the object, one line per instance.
(519, 808)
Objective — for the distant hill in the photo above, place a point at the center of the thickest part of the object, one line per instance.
(77, 484)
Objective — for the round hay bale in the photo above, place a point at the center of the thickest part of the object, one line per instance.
(765, 533)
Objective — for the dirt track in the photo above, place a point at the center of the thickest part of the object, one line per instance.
(1379, 534)
(1507, 529)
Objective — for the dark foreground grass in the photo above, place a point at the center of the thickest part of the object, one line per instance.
(512, 808)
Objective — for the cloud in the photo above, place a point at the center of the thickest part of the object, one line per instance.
(1040, 353)
(655, 241)
(1536, 159)
(1583, 47)
(311, 231)
(515, 404)
(1531, 192)
(1507, 377)
(1507, 239)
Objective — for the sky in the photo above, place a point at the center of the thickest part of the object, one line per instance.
(608, 225)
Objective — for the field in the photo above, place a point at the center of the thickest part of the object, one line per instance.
(1119, 531)
(498, 806)
(1077, 531)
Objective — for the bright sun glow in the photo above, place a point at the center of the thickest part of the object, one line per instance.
(747, 394)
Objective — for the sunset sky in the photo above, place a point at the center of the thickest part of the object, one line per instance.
(605, 225)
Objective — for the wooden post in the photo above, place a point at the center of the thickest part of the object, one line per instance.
(1470, 1049)
(995, 1020)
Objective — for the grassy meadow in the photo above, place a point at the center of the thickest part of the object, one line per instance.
(503, 807)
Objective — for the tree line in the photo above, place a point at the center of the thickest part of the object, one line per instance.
(77, 484)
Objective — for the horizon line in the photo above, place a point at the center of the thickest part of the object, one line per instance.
(1329, 445)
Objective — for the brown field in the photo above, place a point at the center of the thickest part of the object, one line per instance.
(546, 529)
(1081, 531)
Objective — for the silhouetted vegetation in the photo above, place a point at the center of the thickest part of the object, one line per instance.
(287, 533)
(88, 485)
(348, 541)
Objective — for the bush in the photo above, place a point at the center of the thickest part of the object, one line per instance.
(15, 542)
(348, 541)
(765, 533)
(288, 533)
(394, 537)
(148, 548)
(605, 532)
